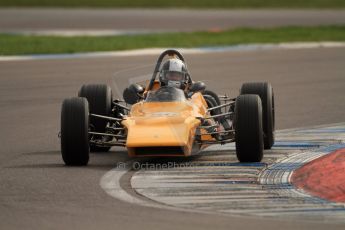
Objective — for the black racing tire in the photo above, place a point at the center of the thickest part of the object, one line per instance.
(74, 131)
(265, 92)
(248, 128)
(100, 100)
(212, 102)
(212, 94)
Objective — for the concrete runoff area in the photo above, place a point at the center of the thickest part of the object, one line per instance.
(38, 191)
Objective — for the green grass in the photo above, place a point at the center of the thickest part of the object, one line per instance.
(180, 3)
(20, 44)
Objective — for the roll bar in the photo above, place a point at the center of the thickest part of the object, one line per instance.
(170, 52)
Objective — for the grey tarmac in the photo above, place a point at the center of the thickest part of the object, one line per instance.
(155, 20)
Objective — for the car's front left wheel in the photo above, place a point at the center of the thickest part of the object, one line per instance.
(248, 128)
(265, 91)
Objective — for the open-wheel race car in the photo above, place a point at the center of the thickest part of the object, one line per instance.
(169, 116)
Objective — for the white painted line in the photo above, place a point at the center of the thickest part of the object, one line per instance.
(128, 53)
(157, 51)
(110, 183)
(74, 33)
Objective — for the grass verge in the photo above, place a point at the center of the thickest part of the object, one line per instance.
(178, 3)
(20, 44)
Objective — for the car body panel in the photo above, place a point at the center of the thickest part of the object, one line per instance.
(162, 126)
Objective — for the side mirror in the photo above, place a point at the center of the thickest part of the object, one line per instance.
(197, 87)
(131, 95)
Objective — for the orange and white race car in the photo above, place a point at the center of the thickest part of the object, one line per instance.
(169, 116)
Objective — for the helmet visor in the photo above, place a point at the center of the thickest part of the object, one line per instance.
(174, 76)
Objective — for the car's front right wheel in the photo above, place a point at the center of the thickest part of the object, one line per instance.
(99, 97)
(74, 131)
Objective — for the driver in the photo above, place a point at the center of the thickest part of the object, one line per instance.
(174, 74)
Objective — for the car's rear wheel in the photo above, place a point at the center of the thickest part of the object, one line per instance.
(100, 99)
(74, 131)
(213, 95)
(265, 92)
(248, 128)
(213, 100)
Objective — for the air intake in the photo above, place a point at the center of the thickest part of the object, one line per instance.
(161, 151)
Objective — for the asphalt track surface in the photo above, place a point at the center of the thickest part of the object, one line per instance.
(38, 192)
(19, 20)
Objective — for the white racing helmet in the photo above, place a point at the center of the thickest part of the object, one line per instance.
(173, 74)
